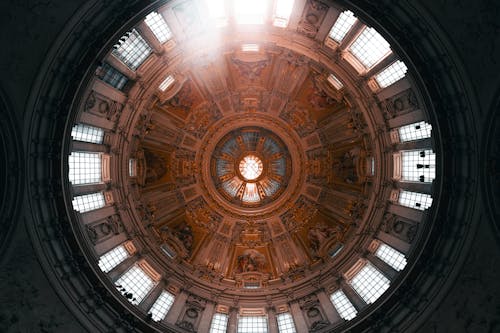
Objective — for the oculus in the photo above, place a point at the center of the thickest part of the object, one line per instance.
(250, 166)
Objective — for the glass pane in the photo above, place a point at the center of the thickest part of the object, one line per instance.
(418, 166)
(135, 284)
(84, 168)
(161, 306)
(111, 259)
(132, 49)
(342, 26)
(112, 76)
(370, 47)
(285, 323)
(87, 133)
(416, 131)
(391, 256)
(158, 26)
(415, 200)
(343, 305)
(219, 323)
(88, 202)
(252, 325)
(369, 283)
(391, 74)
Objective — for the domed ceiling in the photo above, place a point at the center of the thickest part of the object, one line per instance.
(308, 151)
(253, 164)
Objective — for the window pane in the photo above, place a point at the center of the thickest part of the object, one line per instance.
(342, 26)
(343, 305)
(219, 323)
(112, 76)
(332, 79)
(415, 200)
(161, 306)
(285, 323)
(391, 256)
(88, 202)
(391, 74)
(252, 325)
(166, 83)
(217, 12)
(111, 259)
(418, 165)
(87, 133)
(282, 13)
(135, 284)
(158, 26)
(132, 49)
(369, 283)
(370, 47)
(417, 131)
(250, 12)
(84, 168)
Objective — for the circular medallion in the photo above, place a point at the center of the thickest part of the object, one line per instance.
(250, 166)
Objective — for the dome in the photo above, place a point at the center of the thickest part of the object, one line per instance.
(249, 167)
(272, 168)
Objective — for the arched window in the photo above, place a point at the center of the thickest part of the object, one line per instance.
(342, 26)
(132, 49)
(391, 256)
(112, 258)
(88, 202)
(369, 283)
(84, 168)
(343, 305)
(416, 131)
(158, 26)
(391, 74)
(415, 200)
(370, 47)
(252, 324)
(87, 133)
(418, 166)
(162, 305)
(135, 284)
(285, 323)
(219, 323)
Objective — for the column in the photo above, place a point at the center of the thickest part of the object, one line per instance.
(382, 266)
(394, 242)
(356, 28)
(177, 307)
(271, 319)
(206, 318)
(122, 267)
(150, 38)
(331, 16)
(232, 324)
(298, 317)
(381, 65)
(121, 67)
(409, 118)
(415, 145)
(87, 146)
(110, 243)
(351, 294)
(97, 214)
(406, 212)
(91, 119)
(86, 189)
(149, 300)
(419, 187)
(330, 312)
